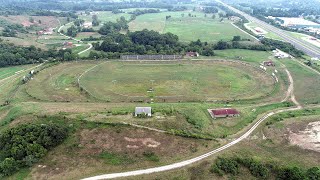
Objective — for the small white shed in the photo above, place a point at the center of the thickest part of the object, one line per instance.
(142, 111)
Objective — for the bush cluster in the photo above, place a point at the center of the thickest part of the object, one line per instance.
(24, 145)
(260, 170)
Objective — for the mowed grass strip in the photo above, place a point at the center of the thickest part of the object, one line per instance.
(9, 71)
(210, 80)
(58, 83)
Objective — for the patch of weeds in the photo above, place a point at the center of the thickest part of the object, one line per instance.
(151, 156)
(115, 159)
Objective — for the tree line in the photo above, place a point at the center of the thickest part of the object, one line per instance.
(26, 144)
(260, 170)
(11, 55)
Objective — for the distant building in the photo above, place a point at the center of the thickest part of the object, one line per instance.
(296, 22)
(280, 54)
(39, 33)
(234, 18)
(223, 113)
(87, 25)
(67, 44)
(192, 54)
(143, 111)
(47, 31)
(268, 63)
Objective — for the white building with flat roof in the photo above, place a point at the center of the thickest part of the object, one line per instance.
(297, 22)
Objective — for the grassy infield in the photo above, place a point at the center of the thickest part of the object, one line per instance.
(182, 118)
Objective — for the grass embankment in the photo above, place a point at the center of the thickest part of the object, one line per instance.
(306, 82)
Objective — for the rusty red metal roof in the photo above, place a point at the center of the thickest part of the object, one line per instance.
(228, 111)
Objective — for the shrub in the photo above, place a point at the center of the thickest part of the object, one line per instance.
(25, 144)
(151, 156)
(228, 165)
(313, 173)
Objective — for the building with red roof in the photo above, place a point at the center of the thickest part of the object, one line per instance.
(226, 112)
(268, 63)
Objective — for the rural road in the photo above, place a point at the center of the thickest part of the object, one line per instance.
(69, 37)
(215, 151)
(300, 44)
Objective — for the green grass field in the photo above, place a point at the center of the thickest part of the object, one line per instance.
(255, 57)
(307, 82)
(188, 28)
(206, 81)
(58, 83)
(9, 71)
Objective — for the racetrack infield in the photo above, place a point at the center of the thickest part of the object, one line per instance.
(175, 82)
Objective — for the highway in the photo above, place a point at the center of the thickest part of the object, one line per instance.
(300, 44)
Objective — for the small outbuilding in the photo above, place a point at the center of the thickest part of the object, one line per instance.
(268, 63)
(223, 113)
(143, 111)
(192, 54)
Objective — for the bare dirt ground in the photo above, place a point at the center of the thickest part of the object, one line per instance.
(308, 138)
(80, 156)
(131, 140)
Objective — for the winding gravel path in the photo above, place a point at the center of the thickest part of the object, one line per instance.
(69, 37)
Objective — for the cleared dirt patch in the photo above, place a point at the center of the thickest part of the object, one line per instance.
(309, 138)
(114, 149)
(131, 140)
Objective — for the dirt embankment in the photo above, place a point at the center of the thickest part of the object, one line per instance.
(309, 138)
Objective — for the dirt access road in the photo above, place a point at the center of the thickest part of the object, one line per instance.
(215, 151)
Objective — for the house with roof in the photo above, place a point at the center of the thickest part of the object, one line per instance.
(143, 112)
(268, 63)
(223, 113)
(67, 44)
(192, 54)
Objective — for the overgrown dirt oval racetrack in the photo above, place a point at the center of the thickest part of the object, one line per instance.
(176, 81)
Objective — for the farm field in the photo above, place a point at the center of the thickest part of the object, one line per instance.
(188, 28)
(254, 57)
(46, 21)
(172, 82)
